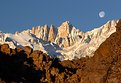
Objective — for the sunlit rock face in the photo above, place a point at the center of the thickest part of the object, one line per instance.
(64, 30)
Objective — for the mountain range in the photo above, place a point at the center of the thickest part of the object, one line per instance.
(64, 42)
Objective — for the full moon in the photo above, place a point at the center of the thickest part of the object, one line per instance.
(101, 14)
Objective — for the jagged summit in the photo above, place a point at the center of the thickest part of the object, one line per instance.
(66, 23)
(64, 42)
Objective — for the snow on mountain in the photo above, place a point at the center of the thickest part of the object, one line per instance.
(65, 42)
(89, 42)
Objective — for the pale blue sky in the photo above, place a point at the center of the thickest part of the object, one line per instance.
(17, 15)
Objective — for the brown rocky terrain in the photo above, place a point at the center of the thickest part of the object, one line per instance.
(28, 66)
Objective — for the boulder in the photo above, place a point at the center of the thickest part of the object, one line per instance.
(5, 49)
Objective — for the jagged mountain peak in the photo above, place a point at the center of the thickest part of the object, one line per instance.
(66, 24)
(52, 26)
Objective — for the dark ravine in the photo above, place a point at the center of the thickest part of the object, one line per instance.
(28, 66)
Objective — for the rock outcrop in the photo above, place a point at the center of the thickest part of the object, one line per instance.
(63, 34)
(64, 30)
(5, 49)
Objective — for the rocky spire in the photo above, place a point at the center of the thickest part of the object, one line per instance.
(33, 30)
(46, 31)
(37, 31)
(52, 34)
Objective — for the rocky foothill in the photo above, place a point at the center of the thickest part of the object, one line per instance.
(28, 66)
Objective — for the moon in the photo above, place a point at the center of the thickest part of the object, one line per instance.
(101, 14)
